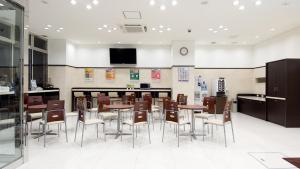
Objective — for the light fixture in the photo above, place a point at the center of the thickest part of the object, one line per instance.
(152, 2)
(105, 26)
(114, 28)
(109, 31)
(49, 26)
(61, 28)
(25, 28)
(272, 29)
(257, 37)
(221, 26)
(46, 28)
(1, 4)
(258, 2)
(215, 31)
(119, 42)
(153, 29)
(88, 6)
(162, 7)
(161, 26)
(160, 31)
(174, 2)
(73, 2)
(236, 3)
(225, 29)
(95, 2)
(99, 28)
(242, 7)
(210, 29)
(57, 30)
(168, 29)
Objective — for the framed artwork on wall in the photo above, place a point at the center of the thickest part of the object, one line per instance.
(89, 74)
(134, 74)
(155, 74)
(110, 74)
(183, 74)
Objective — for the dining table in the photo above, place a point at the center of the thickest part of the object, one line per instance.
(118, 108)
(192, 109)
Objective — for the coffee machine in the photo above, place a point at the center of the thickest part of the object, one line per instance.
(219, 87)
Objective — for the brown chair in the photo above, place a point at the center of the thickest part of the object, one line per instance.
(151, 109)
(223, 122)
(172, 117)
(103, 112)
(140, 117)
(55, 114)
(33, 114)
(83, 120)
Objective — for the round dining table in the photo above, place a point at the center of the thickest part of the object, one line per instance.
(193, 108)
(118, 107)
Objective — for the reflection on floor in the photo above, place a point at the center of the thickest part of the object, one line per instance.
(252, 135)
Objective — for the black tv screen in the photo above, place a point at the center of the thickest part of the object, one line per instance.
(122, 55)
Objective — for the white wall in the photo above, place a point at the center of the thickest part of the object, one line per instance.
(178, 59)
(224, 56)
(283, 46)
(57, 52)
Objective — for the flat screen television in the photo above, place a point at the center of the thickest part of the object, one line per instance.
(122, 55)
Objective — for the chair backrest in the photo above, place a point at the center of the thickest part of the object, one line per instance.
(140, 112)
(34, 100)
(171, 112)
(55, 110)
(182, 100)
(165, 99)
(210, 102)
(128, 99)
(148, 99)
(102, 101)
(179, 96)
(95, 94)
(80, 108)
(146, 93)
(227, 112)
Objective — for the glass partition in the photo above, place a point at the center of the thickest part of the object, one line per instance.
(11, 97)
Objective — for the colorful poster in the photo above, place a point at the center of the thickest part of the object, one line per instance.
(89, 74)
(134, 74)
(110, 74)
(155, 74)
(183, 74)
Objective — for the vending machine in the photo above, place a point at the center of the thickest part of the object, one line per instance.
(219, 87)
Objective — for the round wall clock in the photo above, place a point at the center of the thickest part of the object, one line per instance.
(183, 51)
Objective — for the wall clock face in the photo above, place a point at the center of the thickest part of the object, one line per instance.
(184, 51)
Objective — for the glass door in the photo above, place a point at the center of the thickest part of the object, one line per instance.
(11, 90)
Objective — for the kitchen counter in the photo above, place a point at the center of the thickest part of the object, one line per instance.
(252, 105)
(262, 99)
(42, 91)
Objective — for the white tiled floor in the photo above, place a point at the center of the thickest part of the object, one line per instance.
(252, 135)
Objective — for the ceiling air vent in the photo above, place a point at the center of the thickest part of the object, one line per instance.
(134, 28)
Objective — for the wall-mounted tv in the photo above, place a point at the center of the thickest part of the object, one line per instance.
(122, 55)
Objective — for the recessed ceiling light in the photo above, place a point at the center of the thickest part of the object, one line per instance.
(25, 28)
(162, 7)
(61, 28)
(49, 26)
(258, 2)
(1, 4)
(225, 29)
(153, 29)
(210, 29)
(119, 42)
(221, 26)
(109, 31)
(88, 6)
(95, 2)
(46, 28)
(105, 26)
(57, 30)
(160, 31)
(236, 3)
(99, 28)
(257, 37)
(169, 29)
(242, 7)
(152, 2)
(161, 26)
(73, 2)
(174, 2)
(215, 31)
(272, 29)
(114, 28)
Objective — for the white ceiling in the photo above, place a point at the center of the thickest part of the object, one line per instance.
(80, 25)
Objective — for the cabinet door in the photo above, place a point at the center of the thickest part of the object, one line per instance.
(276, 110)
(276, 79)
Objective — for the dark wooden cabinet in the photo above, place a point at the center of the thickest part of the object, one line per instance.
(283, 92)
(252, 107)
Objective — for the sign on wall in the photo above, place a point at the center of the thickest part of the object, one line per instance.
(89, 74)
(183, 74)
(134, 74)
(110, 74)
(155, 74)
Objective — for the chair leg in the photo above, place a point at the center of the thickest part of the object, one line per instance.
(232, 131)
(30, 126)
(104, 132)
(152, 120)
(203, 128)
(149, 132)
(97, 131)
(44, 134)
(164, 123)
(178, 133)
(133, 136)
(58, 129)
(83, 126)
(39, 132)
(225, 135)
(66, 130)
(76, 130)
